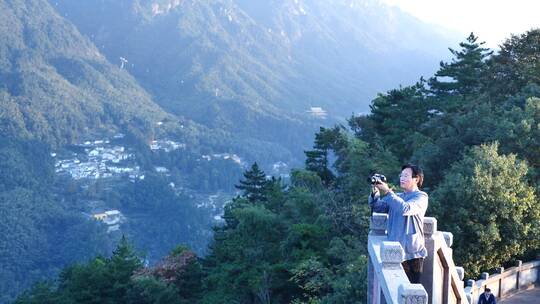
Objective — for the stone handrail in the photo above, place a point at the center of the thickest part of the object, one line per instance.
(442, 281)
(387, 281)
(505, 282)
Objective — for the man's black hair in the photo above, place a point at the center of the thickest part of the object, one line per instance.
(416, 172)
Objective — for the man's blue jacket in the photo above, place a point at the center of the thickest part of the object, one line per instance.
(487, 300)
(405, 219)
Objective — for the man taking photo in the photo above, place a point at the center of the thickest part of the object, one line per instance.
(406, 212)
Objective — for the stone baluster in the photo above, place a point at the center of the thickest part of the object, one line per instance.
(378, 223)
(412, 294)
(391, 255)
(470, 293)
(430, 226)
(448, 238)
(500, 270)
(377, 227)
(461, 272)
(518, 275)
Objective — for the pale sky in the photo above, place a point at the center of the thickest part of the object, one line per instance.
(492, 21)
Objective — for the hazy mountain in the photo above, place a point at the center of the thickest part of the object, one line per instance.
(346, 51)
(55, 84)
(256, 67)
(251, 69)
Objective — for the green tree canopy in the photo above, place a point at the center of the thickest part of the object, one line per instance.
(486, 201)
(463, 75)
(327, 140)
(254, 184)
(514, 66)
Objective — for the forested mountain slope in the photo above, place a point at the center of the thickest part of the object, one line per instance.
(255, 68)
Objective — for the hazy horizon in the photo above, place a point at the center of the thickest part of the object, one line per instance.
(492, 22)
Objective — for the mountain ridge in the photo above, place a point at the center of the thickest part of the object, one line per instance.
(216, 63)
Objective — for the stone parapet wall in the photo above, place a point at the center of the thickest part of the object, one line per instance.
(442, 281)
(505, 282)
(387, 281)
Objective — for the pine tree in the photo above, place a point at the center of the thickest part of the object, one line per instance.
(317, 160)
(516, 65)
(123, 264)
(393, 117)
(254, 184)
(465, 70)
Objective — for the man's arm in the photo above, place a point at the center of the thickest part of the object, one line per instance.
(416, 205)
(377, 204)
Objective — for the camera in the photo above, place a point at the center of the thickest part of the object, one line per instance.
(376, 179)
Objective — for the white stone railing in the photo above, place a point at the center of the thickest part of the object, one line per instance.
(505, 282)
(442, 281)
(387, 281)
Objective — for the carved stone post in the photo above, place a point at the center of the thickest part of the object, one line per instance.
(499, 270)
(391, 255)
(430, 228)
(448, 238)
(412, 294)
(377, 227)
(518, 275)
(461, 272)
(378, 223)
(471, 294)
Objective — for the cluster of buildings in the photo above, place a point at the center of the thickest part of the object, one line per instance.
(166, 145)
(233, 157)
(103, 159)
(100, 159)
(215, 202)
(108, 158)
(111, 218)
(281, 169)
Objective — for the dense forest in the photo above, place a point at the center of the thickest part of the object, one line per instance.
(473, 126)
(58, 91)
